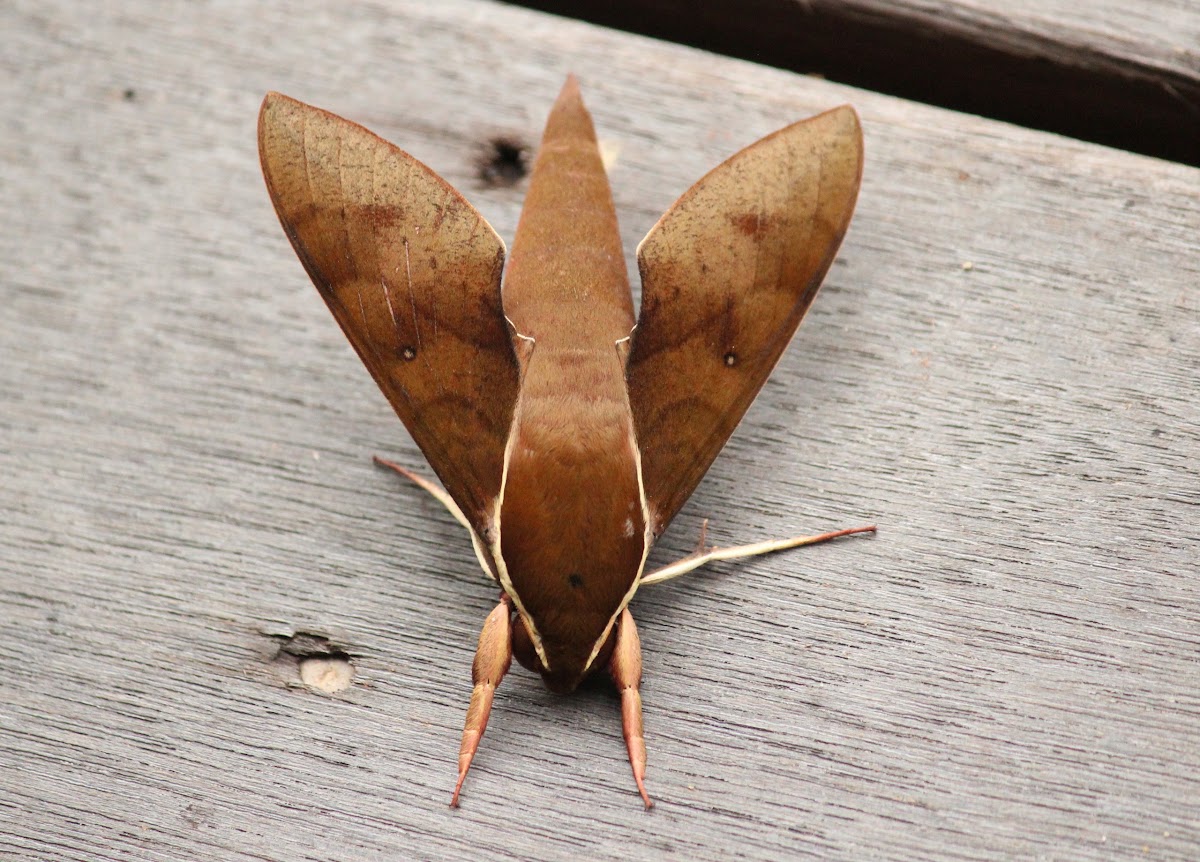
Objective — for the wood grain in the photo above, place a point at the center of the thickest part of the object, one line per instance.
(1121, 74)
(1000, 371)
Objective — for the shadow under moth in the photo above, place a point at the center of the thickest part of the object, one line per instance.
(566, 435)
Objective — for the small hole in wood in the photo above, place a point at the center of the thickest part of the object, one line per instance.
(503, 161)
(315, 661)
(329, 675)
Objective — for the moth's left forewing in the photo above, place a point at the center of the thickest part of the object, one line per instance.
(411, 272)
(727, 274)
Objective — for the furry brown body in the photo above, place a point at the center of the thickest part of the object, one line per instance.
(573, 532)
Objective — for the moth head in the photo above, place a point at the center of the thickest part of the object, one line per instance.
(561, 681)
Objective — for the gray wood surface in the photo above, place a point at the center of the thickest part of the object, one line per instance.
(1155, 38)
(1001, 371)
(1119, 73)
(1159, 39)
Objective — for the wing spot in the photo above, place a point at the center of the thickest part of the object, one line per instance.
(753, 224)
(409, 354)
(731, 359)
(575, 580)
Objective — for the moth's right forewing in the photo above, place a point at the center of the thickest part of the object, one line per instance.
(727, 274)
(411, 272)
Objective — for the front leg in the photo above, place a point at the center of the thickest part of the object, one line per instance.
(625, 666)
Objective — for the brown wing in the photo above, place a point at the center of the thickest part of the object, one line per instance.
(412, 273)
(727, 274)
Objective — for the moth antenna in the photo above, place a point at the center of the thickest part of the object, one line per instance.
(492, 660)
(625, 667)
(696, 560)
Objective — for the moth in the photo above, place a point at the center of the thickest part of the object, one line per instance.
(566, 435)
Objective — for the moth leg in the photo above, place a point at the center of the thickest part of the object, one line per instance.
(701, 556)
(447, 501)
(440, 495)
(625, 666)
(492, 659)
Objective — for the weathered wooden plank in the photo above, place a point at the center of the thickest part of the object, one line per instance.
(1001, 371)
(1121, 74)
